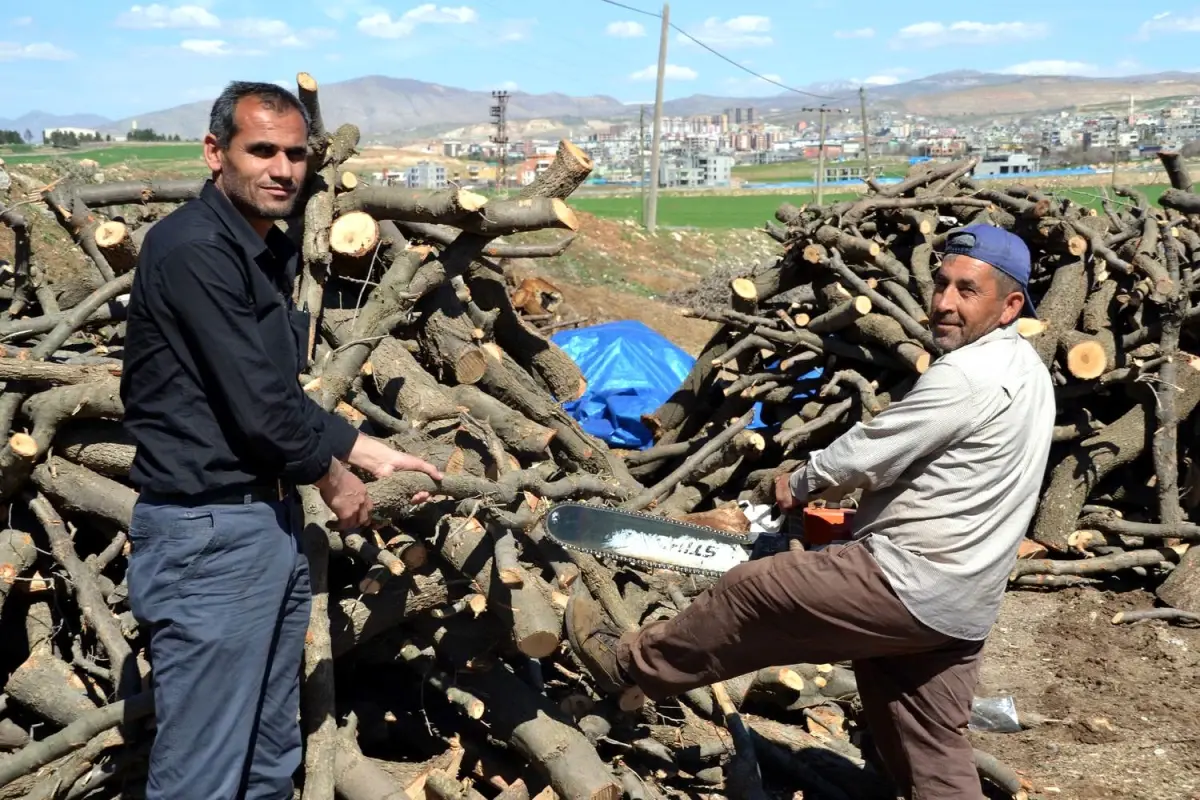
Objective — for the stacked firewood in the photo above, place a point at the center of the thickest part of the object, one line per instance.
(436, 663)
(837, 329)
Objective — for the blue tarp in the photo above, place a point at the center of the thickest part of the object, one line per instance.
(630, 370)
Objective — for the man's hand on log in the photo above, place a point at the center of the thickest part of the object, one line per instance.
(346, 497)
(783, 492)
(381, 461)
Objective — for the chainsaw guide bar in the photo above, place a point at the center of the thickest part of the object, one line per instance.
(644, 540)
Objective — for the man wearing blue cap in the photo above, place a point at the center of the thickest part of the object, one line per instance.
(950, 476)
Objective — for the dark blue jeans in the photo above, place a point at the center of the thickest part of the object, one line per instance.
(224, 592)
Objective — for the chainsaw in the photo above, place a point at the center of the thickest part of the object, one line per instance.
(653, 542)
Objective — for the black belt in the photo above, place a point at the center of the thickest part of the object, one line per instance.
(237, 494)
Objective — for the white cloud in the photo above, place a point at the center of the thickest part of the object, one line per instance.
(381, 25)
(1052, 67)
(1166, 22)
(157, 15)
(276, 31)
(938, 34)
(625, 30)
(857, 33)
(206, 47)
(673, 72)
(743, 31)
(21, 22)
(38, 51)
(216, 48)
(431, 13)
(515, 30)
(510, 86)
(258, 28)
(881, 80)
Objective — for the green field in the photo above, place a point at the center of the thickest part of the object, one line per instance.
(752, 210)
(708, 211)
(107, 155)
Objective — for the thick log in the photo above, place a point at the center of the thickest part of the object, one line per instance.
(103, 447)
(138, 192)
(913, 328)
(889, 334)
(78, 490)
(17, 369)
(47, 686)
(405, 388)
(532, 725)
(536, 353)
(442, 206)
(520, 435)
(535, 626)
(566, 172)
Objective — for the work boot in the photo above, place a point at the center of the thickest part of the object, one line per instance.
(594, 639)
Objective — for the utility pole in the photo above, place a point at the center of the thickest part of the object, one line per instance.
(821, 162)
(862, 102)
(499, 118)
(822, 110)
(652, 205)
(641, 159)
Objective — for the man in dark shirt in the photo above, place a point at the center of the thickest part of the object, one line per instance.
(224, 434)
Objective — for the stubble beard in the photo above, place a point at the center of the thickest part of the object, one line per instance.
(242, 194)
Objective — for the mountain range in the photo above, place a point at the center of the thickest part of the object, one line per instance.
(397, 109)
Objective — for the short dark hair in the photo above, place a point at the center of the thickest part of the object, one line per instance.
(273, 96)
(1006, 283)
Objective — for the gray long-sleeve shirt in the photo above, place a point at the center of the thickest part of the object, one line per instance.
(950, 475)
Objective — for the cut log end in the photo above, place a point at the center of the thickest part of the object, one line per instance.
(565, 214)
(471, 365)
(862, 305)
(744, 288)
(1029, 327)
(471, 201)
(354, 234)
(306, 82)
(540, 644)
(111, 234)
(1086, 360)
(349, 181)
(23, 445)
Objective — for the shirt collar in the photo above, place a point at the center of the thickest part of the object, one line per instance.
(276, 241)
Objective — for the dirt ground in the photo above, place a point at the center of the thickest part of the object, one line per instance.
(1128, 697)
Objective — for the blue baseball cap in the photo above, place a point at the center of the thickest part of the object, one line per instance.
(1003, 250)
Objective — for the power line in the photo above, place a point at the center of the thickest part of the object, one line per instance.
(722, 56)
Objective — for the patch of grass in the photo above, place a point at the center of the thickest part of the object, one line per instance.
(16, 148)
(710, 211)
(109, 155)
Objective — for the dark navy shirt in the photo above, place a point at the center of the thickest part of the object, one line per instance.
(213, 351)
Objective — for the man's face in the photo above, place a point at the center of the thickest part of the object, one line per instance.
(968, 302)
(264, 166)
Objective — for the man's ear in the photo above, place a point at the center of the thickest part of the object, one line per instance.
(1013, 303)
(212, 153)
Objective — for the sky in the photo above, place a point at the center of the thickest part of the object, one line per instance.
(116, 58)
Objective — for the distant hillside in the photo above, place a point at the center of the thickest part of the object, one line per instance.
(389, 107)
(396, 109)
(37, 121)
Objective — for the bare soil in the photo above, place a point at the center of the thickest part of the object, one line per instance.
(1128, 697)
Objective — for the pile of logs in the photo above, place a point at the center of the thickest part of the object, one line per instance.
(836, 329)
(436, 663)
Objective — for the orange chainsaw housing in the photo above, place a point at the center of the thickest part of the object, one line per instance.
(825, 525)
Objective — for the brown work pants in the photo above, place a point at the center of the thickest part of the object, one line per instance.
(819, 607)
